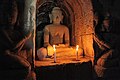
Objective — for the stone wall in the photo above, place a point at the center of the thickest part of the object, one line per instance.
(83, 25)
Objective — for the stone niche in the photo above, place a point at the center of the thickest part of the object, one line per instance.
(78, 16)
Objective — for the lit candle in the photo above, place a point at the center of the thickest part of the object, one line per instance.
(77, 47)
(54, 53)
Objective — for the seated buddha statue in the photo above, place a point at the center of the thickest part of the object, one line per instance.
(56, 34)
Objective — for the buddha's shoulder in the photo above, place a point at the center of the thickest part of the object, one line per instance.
(50, 25)
(63, 26)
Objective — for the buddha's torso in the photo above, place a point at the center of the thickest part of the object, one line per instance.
(56, 33)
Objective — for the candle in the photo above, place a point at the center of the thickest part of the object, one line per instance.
(54, 53)
(77, 47)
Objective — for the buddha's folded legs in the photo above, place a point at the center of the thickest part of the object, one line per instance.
(60, 52)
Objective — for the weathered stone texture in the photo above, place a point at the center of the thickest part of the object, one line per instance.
(83, 25)
(29, 20)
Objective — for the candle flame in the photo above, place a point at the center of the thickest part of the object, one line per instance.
(54, 48)
(77, 47)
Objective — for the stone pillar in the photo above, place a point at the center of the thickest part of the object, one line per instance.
(29, 21)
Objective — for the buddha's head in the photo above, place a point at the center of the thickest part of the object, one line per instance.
(56, 15)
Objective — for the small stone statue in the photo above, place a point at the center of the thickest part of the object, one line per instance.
(12, 54)
(55, 34)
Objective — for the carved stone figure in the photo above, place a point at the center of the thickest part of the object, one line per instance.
(14, 51)
(55, 34)
(107, 58)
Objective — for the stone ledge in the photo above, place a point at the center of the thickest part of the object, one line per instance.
(66, 69)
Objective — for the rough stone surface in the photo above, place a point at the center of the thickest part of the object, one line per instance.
(29, 15)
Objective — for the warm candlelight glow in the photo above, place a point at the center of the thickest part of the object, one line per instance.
(54, 53)
(77, 47)
(54, 48)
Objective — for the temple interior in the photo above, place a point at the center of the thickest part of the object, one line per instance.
(59, 40)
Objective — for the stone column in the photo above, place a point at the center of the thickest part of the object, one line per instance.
(29, 21)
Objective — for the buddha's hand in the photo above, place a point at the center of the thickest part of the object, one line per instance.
(50, 50)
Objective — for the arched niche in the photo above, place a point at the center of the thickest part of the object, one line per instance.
(43, 11)
(78, 16)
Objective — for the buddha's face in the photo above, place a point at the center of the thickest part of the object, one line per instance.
(57, 16)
